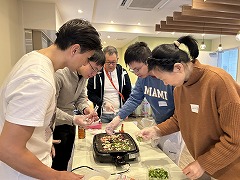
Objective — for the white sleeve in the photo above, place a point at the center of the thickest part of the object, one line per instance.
(28, 101)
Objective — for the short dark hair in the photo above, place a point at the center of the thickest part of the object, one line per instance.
(78, 31)
(137, 52)
(110, 50)
(165, 56)
(98, 58)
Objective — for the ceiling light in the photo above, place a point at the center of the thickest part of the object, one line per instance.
(80, 11)
(112, 22)
(108, 37)
(139, 23)
(203, 45)
(220, 48)
(238, 36)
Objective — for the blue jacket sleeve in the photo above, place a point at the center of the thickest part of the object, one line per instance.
(134, 100)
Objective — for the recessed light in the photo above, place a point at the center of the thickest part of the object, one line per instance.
(112, 22)
(139, 23)
(108, 37)
(80, 11)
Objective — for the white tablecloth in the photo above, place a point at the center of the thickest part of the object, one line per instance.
(149, 157)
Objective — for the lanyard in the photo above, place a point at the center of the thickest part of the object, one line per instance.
(110, 79)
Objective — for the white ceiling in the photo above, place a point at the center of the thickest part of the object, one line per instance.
(125, 27)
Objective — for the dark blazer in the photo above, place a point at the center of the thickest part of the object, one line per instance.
(95, 87)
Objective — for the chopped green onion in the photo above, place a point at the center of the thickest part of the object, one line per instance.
(140, 139)
(158, 173)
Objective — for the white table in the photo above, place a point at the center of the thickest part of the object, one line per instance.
(149, 156)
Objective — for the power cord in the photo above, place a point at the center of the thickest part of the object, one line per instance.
(121, 172)
(82, 167)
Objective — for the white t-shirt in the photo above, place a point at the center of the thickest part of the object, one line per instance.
(27, 98)
(110, 93)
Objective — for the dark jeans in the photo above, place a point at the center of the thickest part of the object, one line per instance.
(66, 134)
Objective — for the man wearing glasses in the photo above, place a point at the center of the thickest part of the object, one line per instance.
(111, 88)
(71, 94)
(159, 96)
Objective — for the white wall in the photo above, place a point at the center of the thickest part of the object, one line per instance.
(229, 42)
(15, 15)
(12, 35)
(205, 58)
(37, 15)
(59, 21)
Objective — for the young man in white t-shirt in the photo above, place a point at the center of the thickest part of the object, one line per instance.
(27, 103)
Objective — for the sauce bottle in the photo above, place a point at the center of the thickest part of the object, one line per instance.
(81, 132)
(121, 131)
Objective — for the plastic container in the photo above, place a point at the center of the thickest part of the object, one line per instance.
(95, 125)
(146, 108)
(147, 122)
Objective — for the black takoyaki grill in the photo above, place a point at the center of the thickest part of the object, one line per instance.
(118, 148)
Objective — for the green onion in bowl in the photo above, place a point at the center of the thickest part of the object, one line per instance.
(158, 174)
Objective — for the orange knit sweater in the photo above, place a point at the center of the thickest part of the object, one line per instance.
(207, 112)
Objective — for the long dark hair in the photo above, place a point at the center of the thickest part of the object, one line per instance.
(165, 56)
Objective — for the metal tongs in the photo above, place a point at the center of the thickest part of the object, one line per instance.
(95, 110)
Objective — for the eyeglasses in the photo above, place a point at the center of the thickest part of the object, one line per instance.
(109, 63)
(94, 70)
(136, 70)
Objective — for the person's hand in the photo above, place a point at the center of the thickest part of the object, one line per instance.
(108, 107)
(92, 114)
(53, 152)
(112, 125)
(193, 170)
(65, 175)
(149, 133)
(83, 120)
(87, 110)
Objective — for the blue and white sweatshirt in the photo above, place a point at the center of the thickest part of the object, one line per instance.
(159, 96)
